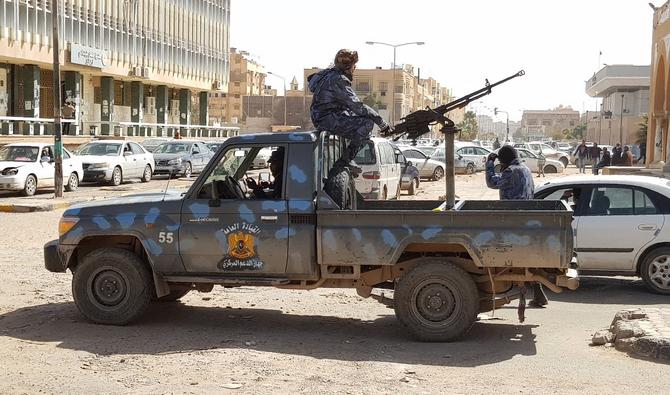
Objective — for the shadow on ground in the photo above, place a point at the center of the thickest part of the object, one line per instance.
(176, 328)
(611, 290)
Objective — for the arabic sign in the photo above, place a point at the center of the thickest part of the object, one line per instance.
(88, 56)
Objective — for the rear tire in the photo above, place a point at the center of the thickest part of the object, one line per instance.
(655, 271)
(111, 286)
(436, 301)
(550, 169)
(341, 188)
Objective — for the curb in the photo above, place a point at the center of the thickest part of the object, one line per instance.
(31, 208)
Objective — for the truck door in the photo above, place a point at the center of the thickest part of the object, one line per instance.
(228, 228)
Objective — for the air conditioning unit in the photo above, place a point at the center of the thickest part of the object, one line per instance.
(216, 85)
(135, 71)
(174, 108)
(150, 105)
(145, 72)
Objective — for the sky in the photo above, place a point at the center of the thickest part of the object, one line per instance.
(557, 43)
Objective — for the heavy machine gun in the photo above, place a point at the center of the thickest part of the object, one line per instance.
(418, 123)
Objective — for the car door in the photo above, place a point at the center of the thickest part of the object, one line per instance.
(529, 159)
(420, 161)
(141, 158)
(128, 161)
(617, 222)
(232, 235)
(391, 172)
(46, 170)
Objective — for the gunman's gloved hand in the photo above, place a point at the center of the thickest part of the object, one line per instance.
(385, 129)
(492, 157)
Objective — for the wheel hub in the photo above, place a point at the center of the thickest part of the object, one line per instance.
(109, 288)
(659, 271)
(435, 302)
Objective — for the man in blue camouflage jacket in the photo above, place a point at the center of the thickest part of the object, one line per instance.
(515, 182)
(336, 108)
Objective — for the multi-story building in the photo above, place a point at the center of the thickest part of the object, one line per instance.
(658, 143)
(538, 124)
(624, 90)
(128, 66)
(247, 78)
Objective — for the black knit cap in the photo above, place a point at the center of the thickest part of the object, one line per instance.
(507, 154)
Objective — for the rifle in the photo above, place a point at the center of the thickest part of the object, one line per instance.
(417, 123)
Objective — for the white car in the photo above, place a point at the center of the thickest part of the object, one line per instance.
(619, 225)
(547, 151)
(531, 160)
(474, 153)
(113, 161)
(262, 158)
(382, 171)
(27, 167)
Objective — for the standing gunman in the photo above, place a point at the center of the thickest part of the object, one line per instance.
(515, 182)
(336, 108)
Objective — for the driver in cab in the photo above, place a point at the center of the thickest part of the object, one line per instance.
(270, 190)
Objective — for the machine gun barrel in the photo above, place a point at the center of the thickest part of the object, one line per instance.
(417, 123)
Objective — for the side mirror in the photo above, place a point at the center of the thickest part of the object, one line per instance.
(459, 157)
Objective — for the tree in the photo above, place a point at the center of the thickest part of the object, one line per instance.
(373, 101)
(642, 128)
(468, 128)
(576, 133)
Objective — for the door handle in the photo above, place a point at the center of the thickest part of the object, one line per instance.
(269, 218)
(646, 227)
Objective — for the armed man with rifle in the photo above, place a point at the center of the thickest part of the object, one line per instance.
(337, 109)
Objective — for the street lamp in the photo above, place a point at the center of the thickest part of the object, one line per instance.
(394, 46)
(283, 79)
(495, 112)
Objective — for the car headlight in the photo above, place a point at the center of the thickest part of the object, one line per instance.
(175, 161)
(10, 172)
(98, 166)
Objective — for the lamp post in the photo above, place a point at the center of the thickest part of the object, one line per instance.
(394, 46)
(284, 80)
(495, 112)
(621, 122)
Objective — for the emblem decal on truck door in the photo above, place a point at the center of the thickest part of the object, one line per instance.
(242, 254)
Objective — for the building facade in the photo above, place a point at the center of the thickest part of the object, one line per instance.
(128, 66)
(658, 144)
(540, 124)
(624, 90)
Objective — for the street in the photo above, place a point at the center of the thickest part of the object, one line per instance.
(262, 340)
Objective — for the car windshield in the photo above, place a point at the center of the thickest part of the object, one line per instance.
(172, 148)
(19, 154)
(103, 149)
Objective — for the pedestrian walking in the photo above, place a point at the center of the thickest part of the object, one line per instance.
(496, 144)
(626, 157)
(541, 162)
(595, 157)
(515, 182)
(582, 156)
(617, 154)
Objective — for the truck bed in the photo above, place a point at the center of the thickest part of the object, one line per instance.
(533, 234)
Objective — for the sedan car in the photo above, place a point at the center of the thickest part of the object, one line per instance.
(473, 153)
(532, 161)
(182, 157)
(152, 143)
(619, 225)
(410, 177)
(215, 145)
(461, 164)
(27, 167)
(547, 151)
(113, 161)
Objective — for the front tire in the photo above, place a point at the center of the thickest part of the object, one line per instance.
(655, 271)
(72, 182)
(30, 187)
(111, 286)
(438, 173)
(146, 176)
(436, 301)
(470, 169)
(117, 177)
(188, 170)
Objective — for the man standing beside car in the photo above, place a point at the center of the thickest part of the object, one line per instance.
(515, 182)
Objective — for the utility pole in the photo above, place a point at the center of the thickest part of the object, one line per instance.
(58, 143)
(621, 122)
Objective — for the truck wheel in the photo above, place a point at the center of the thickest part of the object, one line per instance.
(437, 302)
(341, 188)
(174, 295)
(655, 271)
(111, 286)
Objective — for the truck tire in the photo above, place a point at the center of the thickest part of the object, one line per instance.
(436, 301)
(341, 188)
(112, 286)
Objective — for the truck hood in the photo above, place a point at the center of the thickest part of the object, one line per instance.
(97, 158)
(142, 204)
(170, 156)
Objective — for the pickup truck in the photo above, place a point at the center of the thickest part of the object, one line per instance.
(309, 229)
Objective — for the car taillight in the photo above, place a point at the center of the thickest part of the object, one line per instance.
(372, 175)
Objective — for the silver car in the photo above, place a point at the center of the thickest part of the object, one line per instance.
(433, 167)
(182, 157)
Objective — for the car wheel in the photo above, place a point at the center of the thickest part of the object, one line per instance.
(111, 286)
(413, 187)
(117, 177)
(436, 301)
(188, 170)
(470, 169)
(30, 186)
(655, 271)
(146, 176)
(550, 169)
(438, 173)
(72, 182)
(564, 161)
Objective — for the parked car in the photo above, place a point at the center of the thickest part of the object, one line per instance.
(181, 157)
(26, 167)
(547, 151)
(410, 179)
(261, 159)
(152, 143)
(531, 160)
(215, 145)
(432, 168)
(381, 171)
(474, 153)
(114, 161)
(461, 164)
(619, 224)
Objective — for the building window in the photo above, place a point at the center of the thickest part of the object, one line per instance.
(237, 96)
(363, 86)
(383, 86)
(382, 93)
(398, 89)
(236, 107)
(572, 123)
(237, 83)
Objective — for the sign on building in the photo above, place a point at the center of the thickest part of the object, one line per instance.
(88, 56)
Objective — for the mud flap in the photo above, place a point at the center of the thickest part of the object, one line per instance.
(521, 310)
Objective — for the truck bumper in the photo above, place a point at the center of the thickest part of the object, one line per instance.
(52, 259)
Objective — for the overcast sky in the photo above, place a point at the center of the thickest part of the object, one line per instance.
(555, 42)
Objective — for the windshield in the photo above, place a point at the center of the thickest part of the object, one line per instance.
(173, 148)
(153, 142)
(102, 149)
(19, 154)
